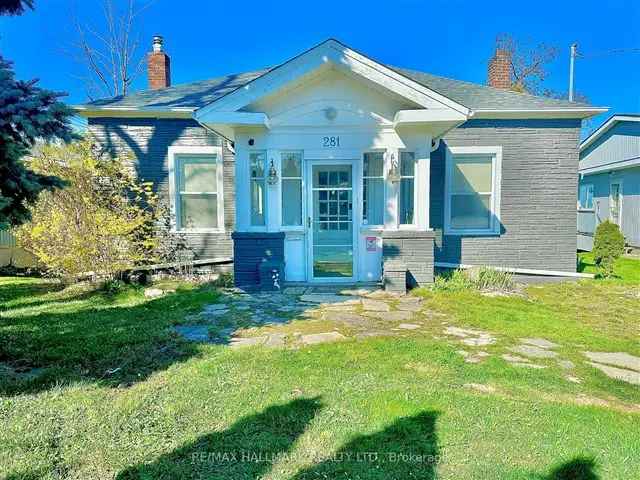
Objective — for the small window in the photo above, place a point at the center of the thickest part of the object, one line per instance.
(291, 189)
(373, 189)
(585, 196)
(198, 190)
(472, 201)
(407, 182)
(257, 187)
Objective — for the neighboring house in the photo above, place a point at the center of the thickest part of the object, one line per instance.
(609, 186)
(336, 167)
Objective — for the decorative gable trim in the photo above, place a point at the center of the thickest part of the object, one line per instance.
(330, 53)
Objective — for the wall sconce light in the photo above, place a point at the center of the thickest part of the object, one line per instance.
(272, 177)
(394, 172)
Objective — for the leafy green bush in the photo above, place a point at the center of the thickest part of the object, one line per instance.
(608, 246)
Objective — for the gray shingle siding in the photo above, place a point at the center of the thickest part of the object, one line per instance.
(538, 201)
(147, 141)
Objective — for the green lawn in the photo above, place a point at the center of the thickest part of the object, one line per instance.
(122, 397)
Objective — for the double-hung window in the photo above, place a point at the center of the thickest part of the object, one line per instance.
(472, 193)
(197, 188)
(373, 189)
(291, 189)
(585, 196)
(407, 188)
(258, 188)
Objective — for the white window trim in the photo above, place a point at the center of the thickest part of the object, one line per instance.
(371, 226)
(593, 199)
(496, 152)
(173, 153)
(408, 226)
(293, 228)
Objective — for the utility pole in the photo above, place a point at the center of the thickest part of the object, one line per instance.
(574, 52)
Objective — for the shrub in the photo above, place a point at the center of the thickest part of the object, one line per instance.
(103, 221)
(608, 246)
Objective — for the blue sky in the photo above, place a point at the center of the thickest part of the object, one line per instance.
(450, 38)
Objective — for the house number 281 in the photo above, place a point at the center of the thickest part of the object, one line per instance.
(330, 142)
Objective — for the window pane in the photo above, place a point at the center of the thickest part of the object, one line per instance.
(291, 202)
(373, 201)
(472, 174)
(471, 211)
(407, 164)
(257, 160)
(257, 202)
(292, 164)
(406, 201)
(199, 211)
(198, 177)
(373, 165)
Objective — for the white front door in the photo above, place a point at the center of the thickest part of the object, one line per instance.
(330, 222)
(615, 203)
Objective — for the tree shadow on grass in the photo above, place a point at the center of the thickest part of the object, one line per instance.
(111, 343)
(244, 451)
(578, 468)
(406, 449)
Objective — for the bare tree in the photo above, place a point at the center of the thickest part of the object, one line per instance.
(110, 51)
(529, 64)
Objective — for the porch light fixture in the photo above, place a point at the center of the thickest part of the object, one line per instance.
(394, 173)
(272, 177)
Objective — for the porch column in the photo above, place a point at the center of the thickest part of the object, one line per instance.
(392, 190)
(422, 185)
(274, 207)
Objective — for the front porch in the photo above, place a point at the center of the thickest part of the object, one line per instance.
(332, 171)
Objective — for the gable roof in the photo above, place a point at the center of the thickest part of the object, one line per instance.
(608, 124)
(489, 101)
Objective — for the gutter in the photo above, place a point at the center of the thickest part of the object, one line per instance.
(133, 112)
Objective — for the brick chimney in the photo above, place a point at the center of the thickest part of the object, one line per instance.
(500, 70)
(158, 66)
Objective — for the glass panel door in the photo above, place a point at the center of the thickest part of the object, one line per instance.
(332, 221)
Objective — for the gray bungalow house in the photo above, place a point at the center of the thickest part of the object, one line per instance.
(334, 167)
(609, 186)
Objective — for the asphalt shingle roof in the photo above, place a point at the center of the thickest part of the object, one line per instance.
(198, 94)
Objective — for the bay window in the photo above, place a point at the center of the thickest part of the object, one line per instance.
(291, 189)
(373, 202)
(472, 190)
(196, 188)
(407, 190)
(258, 187)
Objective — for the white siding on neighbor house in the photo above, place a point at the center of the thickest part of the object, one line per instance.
(620, 143)
(630, 214)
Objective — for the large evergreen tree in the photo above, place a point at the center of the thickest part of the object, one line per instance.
(27, 114)
(14, 7)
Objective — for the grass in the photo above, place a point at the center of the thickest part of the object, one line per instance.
(122, 397)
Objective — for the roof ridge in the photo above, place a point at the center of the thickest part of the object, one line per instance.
(488, 87)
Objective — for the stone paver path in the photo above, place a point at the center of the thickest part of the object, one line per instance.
(531, 351)
(539, 342)
(304, 316)
(617, 359)
(618, 365)
(320, 314)
(315, 338)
